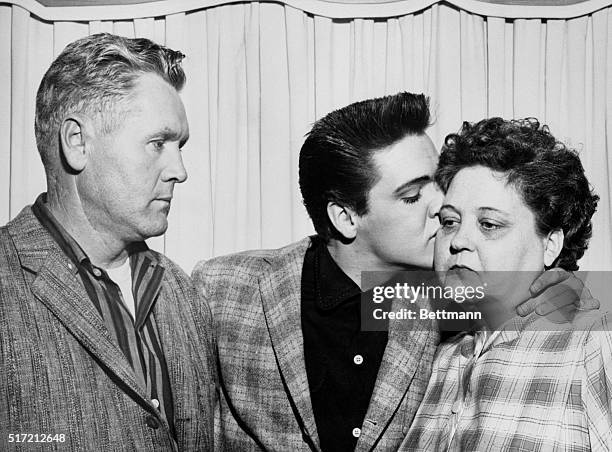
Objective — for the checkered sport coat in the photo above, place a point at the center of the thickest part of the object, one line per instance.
(60, 372)
(255, 298)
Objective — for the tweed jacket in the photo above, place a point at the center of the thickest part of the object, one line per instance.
(60, 372)
(255, 297)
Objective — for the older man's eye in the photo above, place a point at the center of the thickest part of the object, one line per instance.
(158, 145)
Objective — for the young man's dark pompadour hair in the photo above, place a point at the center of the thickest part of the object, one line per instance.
(336, 160)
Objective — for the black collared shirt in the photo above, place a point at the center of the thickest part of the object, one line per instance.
(137, 338)
(342, 361)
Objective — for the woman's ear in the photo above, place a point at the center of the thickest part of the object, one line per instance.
(73, 149)
(343, 220)
(553, 246)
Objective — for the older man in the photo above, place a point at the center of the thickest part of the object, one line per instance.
(100, 346)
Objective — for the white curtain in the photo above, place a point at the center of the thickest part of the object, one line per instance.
(260, 73)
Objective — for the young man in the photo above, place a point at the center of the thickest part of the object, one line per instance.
(99, 348)
(297, 371)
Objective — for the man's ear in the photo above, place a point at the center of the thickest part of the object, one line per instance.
(553, 246)
(73, 140)
(343, 220)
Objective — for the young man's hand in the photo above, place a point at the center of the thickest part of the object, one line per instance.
(559, 292)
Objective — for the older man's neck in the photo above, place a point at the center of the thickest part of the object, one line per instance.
(103, 249)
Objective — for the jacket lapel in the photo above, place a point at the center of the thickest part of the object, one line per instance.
(407, 341)
(176, 339)
(281, 298)
(59, 288)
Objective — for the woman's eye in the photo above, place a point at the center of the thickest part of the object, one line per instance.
(488, 226)
(412, 199)
(448, 222)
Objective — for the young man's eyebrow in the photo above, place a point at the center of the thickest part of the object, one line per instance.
(422, 180)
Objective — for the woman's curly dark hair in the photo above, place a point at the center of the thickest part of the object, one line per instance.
(548, 175)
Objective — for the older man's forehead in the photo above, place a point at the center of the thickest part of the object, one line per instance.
(158, 108)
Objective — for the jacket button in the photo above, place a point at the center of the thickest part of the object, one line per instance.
(152, 422)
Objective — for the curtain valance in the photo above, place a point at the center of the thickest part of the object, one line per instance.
(325, 8)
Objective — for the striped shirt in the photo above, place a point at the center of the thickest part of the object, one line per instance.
(136, 337)
(531, 386)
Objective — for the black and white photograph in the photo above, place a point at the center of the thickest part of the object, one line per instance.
(306, 225)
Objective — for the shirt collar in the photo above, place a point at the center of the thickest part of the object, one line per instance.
(65, 241)
(507, 332)
(513, 328)
(332, 285)
(70, 246)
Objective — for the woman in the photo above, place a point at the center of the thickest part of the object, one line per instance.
(516, 202)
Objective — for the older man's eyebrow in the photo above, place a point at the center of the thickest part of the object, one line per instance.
(169, 135)
(422, 180)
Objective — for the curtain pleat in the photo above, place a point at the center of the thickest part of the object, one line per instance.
(259, 75)
(5, 112)
(26, 172)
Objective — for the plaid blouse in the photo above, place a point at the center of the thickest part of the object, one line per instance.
(531, 386)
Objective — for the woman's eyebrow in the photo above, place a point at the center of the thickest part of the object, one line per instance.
(449, 207)
(486, 209)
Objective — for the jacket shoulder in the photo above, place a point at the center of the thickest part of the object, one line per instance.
(26, 237)
(175, 270)
(24, 224)
(246, 265)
